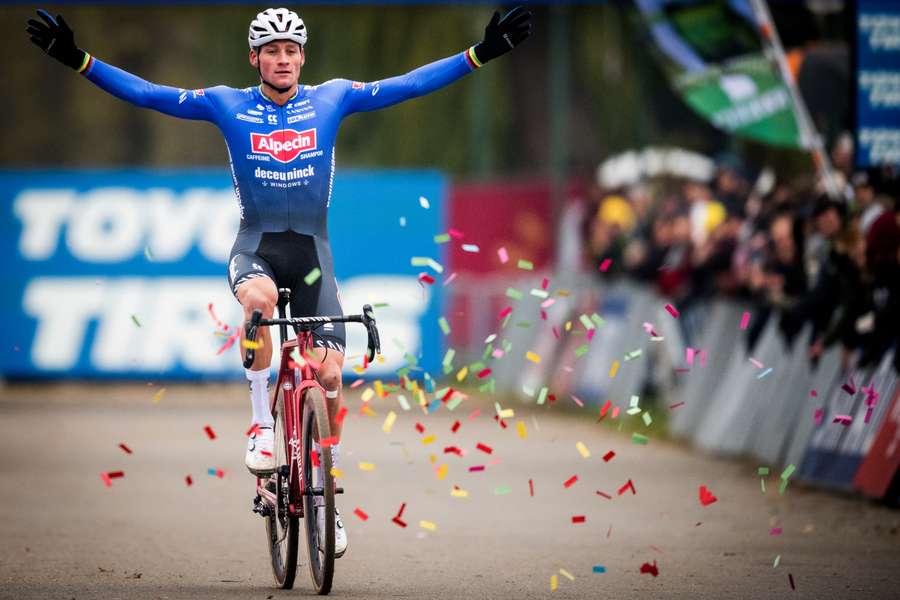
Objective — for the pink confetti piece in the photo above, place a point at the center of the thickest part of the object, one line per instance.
(555, 332)
(456, 234)
(672, 310)
(545, 283)
(228, 343)
(819, 416)
(476, 469)
(105, 478)
(590, 334)
(756, 363)
(814, 393)
(502, 253)
(449, 279)
(745, 320)
(357, 383)
(474, 413)
(676, 405)
(498, 353)
(689, 355)
(775, 531)
(504, 312)
(577, 401)
(849, 387)
(604, 266)
(531, 487)
(844, 420)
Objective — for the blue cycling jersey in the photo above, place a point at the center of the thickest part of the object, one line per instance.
(282, 157)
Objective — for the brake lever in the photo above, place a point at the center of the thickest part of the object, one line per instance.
(250, 335)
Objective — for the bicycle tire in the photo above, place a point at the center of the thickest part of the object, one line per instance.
(321, 562)
(279, 525)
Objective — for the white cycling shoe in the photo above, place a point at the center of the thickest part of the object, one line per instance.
(340, 534)
(260, 457)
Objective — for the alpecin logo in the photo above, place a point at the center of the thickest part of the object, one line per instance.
(283, 145)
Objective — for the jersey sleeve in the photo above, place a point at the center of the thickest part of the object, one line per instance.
(363, 97)
(177, 102)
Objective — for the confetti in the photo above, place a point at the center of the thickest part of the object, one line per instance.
(567, 575)
(445, 326)
(598, 568)
(209, 432)
(329, 441)
(442, 238)
(844, 420)
(604, 266)
(745, 320)
(785, 476)
(485, 449)
(455, 427)
(426, 279)
(706, 496)
(637, 438)
(672, 310)
(583, 450)
(135, 319)
(756, 363)
(502, 490)
(651, 569)
(791, 581)
(125, 448)
(570, 481)
(361, 514)
(608, 456)
(578, 519)
(614, 369)
(458, 493)
(427, 525)
(531, 488)
(776, 562)
(607, 496)
(158, 395)
(399, 521)
(423, 202)
(473, 248)
(629, 485)
(188, 480)
(389, 422)
(525, 265)
(365, 466)
(764, 373)
(775, 531)
(428, 439)
(533, 357)
(312, 276)
(554, 583)
(476, 469)
(503, 255)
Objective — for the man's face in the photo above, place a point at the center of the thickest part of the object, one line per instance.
(279, 62)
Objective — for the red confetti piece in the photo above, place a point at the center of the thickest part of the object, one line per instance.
(125, 448)
(604, 266)
(672, 310)
(531, 487)
(209, 432)
(648, 568)
(455, 427)
(607, 496)
(314, 458)
(189, 480)
(426, 278)
(676, 405)
(544, 283)
(706, 497)
(483, 448)
(484, 373)
(420, 428)
(476, 469)
(447, 395)
(220, 473)
(400, 512)
(505, 312)
(265, 453)
(228, 343)
(453, 450)
(329, 441)
(608, 456)
(814, 393)
(399, 521)
(628, 486)
(570, 481)
(254, 429)
(359, 513)
(605, 408)
(116, 474)
(555, 332)
(578, 519)
(500, 421)
(341, 414)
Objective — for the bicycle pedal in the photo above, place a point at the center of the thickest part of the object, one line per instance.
(260, 507)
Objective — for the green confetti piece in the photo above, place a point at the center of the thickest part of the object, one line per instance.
(762, 485)
(597, 320)
(526, 265)
(403, 372)
(634, 401)
(581, 350)
(528, 391)
(312, 276)
(487, 387)
(448, 357)
(447, 369)
(476, 367)
(442, 238)
(380, 305)
(507, 345)
(135, 319)
(634, 354)
(647, 418)
(637, 438)
(404, 403)
(762, 471)
(634, 410)
(501, 490)
(424, 261)
(539, 293)
(783, 486)
(440, 393)
(542, 395)
(524, 324)
(453, 402)
(513, 293)
(776, 562)
(148, 254)
(505, 321)
(487, 351)
(435, 265)
(788, 471)
(586, 322)
(445, 326)
(410, 359)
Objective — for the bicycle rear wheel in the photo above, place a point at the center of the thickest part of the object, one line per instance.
(321, 551)
(282, 528)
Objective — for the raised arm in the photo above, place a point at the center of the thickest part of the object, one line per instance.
(56, 38)
(500, 36)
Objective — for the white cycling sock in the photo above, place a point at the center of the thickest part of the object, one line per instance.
(259, 397)
(335, 457)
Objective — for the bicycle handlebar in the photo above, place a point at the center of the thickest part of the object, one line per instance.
(367, 318)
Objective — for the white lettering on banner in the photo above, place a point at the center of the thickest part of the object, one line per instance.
(43, 213)
(176, 330)
(113, 224)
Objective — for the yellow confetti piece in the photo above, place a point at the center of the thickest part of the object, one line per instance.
(442, 472)
(568, 325)
(507, 413)
(389, 422)
(462, 373)
(567, 575)
(432, 458)
(554, 583)
(614, 368)
(459, 493)
(427, 525)
(379, 388)
(520, 426)
(251, 345)
(427, 440)
(367, 410)
(367, 394)
(158, 395)
(364, 466)
(532, 357)
(337, 473)
(585, 453)
(359, 370)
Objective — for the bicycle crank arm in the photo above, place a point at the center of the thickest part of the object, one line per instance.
(317, 491)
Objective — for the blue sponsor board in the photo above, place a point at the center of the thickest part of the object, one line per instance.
(878, 83)
(113, 273)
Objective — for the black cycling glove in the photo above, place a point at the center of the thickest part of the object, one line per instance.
(54, 37)
(502, 35)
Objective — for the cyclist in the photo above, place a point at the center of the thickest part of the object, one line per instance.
(280, 136)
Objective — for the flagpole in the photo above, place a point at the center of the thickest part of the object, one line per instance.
(809, 137)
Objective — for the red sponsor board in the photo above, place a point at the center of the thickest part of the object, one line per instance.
(882, 462)
(283, 145)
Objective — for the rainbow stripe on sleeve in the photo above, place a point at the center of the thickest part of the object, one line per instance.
(472, 59)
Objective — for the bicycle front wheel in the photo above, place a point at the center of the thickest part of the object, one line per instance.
(321, 551)
(282, 527)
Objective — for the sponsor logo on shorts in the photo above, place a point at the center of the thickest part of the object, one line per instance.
(284, 145)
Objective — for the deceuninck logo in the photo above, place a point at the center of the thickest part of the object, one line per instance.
(283, 145)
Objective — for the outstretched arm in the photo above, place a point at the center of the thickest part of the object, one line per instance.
(500, 36)
(56, 38)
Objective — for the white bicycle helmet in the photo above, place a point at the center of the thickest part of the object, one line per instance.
(276, 24)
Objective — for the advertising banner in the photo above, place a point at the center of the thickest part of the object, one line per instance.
(123, 273)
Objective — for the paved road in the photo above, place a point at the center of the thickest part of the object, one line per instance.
(65, 535)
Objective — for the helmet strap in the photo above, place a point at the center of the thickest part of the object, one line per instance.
(280, 90)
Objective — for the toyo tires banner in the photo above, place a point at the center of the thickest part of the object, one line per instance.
(123, 273)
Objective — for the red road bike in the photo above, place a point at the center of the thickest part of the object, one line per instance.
(301, 416)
